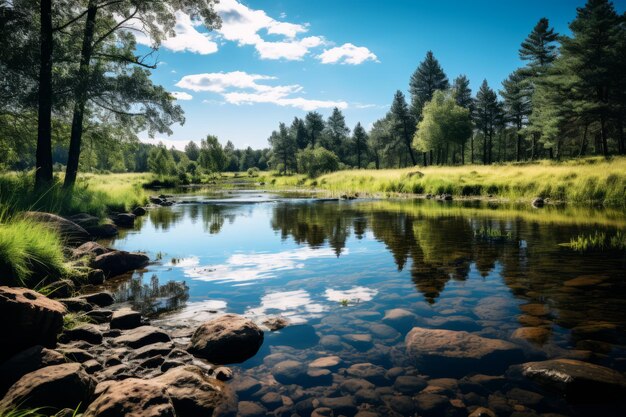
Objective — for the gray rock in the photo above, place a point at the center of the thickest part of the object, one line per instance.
(361, 342)
(289, 372)
(400, 319)
(250, 409)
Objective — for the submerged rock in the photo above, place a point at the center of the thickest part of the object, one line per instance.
(57, 386)
(227, 339)
(28, 319)
(457, 353)
(578, 380)
(400, 319)
(275, 323)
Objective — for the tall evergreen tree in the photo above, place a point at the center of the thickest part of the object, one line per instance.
(516, 105)
(336, 133)
(314, 123)
(539, 48)
(298, 131)
(427, 78)
(403, 122)
(284, 149)
(463, 92)
(486, 114)
(359, 138)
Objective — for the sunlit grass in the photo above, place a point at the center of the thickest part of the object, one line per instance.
(598, 241)
(589, 180)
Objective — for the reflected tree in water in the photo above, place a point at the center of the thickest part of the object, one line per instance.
(152, 298)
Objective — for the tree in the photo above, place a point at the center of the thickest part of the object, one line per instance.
(427, 78)
(283, 149)
(378, 138)
(160, 161)
(403, 123)
(336, 133)
(317, 161)
(299, 132)
(212, 157)
(43, 173)
(359, 138)
(314, 126)
(486, 115)
(443, 123)
(539, 48)
(516, 105)
(462, 92)
(192, 150)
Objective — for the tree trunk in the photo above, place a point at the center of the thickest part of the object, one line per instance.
(80, 97)
(550, 153)
(463, 153)
(603, 135)
(424, 157)
(583, 144)
(431, 157)
(407, 140)
(485, 138)
(533, 151)
(472, 148)
(43, 164)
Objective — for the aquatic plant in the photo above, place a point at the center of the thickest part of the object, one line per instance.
(598, 241)
(490, 233)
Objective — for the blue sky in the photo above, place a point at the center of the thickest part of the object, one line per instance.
(273, 60)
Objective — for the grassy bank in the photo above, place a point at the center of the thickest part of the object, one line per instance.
(588, 181)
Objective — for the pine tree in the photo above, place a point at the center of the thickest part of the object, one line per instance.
(539, 48)
(336, 133)
(427, 78)
(516, 105)
(314, 126)
(283, 149)
(403, 122)
(463, 92)
(298, 131)
(359, 139)
(486, 115)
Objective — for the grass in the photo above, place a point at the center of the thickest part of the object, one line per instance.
(30, 253)
(72, 320)
(589, 180)
(35, 412)
(598, 241)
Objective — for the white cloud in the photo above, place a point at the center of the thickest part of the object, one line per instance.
(347, 54)
(239, 87)
(187, 38)
(244, 25)
(181, 95)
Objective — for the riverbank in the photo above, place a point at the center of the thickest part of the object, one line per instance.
(583, 181)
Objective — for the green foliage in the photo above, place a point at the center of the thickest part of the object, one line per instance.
(427, 78)
(160, 161)
(283, 149)
(317, 161)
(33, 412)
(212, 157)
(598, 241)
(72, 320)
(30, 253)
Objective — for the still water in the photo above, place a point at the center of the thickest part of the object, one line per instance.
(336, 268)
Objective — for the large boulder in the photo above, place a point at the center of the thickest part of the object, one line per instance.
(90, 249)
(27, 361)
(72, 233)
(103, 231)
(579, 381)
(195, 394)
(124, 220)
(57, 386)
(125, 318)
(117, 262)
(131, 398)
(83, 219)
(228, 339)
(28, 319)
(456, 353)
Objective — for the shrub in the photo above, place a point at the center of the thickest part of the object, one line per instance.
(317, 161)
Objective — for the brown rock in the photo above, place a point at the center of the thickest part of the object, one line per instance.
(584, 281)
(118, 262)
(132, 398)
(28, 319)
(142, 336)
(89, 249)
(56, 386)
(538, 335)
(456, 353)
(227, 339)
(275, 323)
(27, 361)
(125, 318)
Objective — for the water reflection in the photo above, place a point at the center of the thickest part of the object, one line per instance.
(152, 298)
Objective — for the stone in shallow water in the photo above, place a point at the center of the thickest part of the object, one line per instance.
(275, 323)
(535, 309)
(400, 319)
(250, 409)
(328, 362)
(493, 308)
(382, 331)
(360, 342)
(353, 385)
(289, 372)
(370, 372)
(538, 335)
(431, 404)
(578, 380)
(455, 353)
(339, 405)
(244, 386)
(585, 281)
(331, 342)
(272, 400)
(408, 384)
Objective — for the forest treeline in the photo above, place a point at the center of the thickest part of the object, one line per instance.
(568, 100)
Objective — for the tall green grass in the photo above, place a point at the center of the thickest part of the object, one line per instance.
(31, 253)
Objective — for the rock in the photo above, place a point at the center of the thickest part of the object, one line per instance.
(61, 289)
(134, 398)
(75, 354)
(525, 397)
(431, 404)
(538, 335)
(250, 409)
(56, 386)
(535, 309)
(322, 412)
(538, 202)
(370, 372)
(331, 342)
(289, 372)
(124, 220)
(457, 353)
(227, 339)
(584, 281)
(92, 366)
(339, 405)
(353, 385)
(194, 394)
(368, 396)
(139, 211)
(482, 412)
(83, 219)
(400, 319)
(125, 318)
(72, 234)
(142, 336)
(103, 231)
(493, 308)
(328, 362)
(223, 373)
(272, 400)
(245, 386)
(578, 380)
(361, 342)
(148, 351)
(382, 331)
(95, 276)
(89, 249)
(275, 323)
(101, 299)
(317, 377)
(28, 319)
(87, 332)
(409, 385)
(118, 262)
(27, 361)
(99, 316)
(402, 404)
(75, 304)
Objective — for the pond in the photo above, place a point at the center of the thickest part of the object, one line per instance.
(353, 277)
